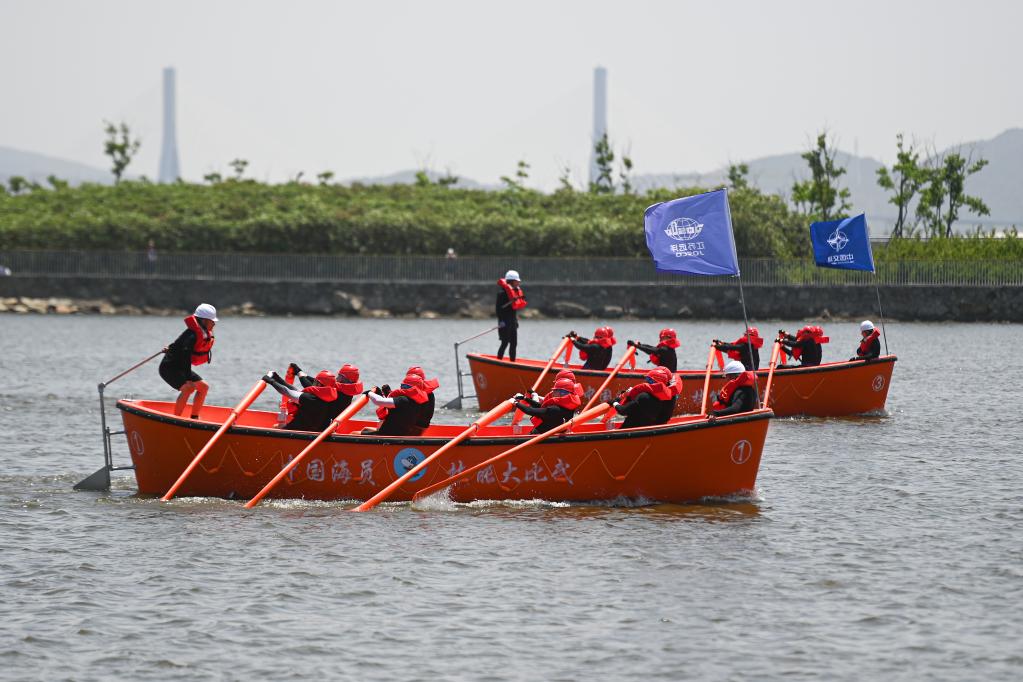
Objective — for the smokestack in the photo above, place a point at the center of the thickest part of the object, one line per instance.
(599, 116)
(169, 170)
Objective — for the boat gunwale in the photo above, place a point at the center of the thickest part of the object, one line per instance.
(761, 414)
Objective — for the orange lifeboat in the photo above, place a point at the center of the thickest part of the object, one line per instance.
(835, 389)
(688, 459)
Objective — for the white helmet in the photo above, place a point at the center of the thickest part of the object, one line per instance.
(734, 367)
(206, 311)
(512, 275)
(866, 326)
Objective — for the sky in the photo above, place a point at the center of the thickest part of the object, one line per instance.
(366, 89)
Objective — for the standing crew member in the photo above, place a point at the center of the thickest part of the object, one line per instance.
(870, 345)
(347, 384)
(192, 347)
(650, 403)
(663, 354)
(595, 352)
(510, 300)
(740, 349)
(399, 408)
(738, 395)
(312, 407)
(556, 408)
(427, 408)
(805, 346)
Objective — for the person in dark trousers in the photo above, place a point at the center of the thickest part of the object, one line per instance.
(510, 300)
(739, 394)
(556, 408)
(663, 354)
(399, 409)
(346, 382)
(193, 347)
(312, 407)
(650, 403)
(870, 342)
(740, 349)
(595, 352)
(426, 409)
(805, 346)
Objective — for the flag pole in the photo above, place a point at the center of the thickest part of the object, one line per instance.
(880, 312)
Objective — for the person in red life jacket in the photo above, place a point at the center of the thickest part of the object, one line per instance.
(346, 381)
(193, 347)
(311, 407)
(649, 403)
(805, 346)
(570, 375)
(663, 354)
(740, 349)
(556, 408)
(870, 343)
(739, 394)
(595, 352)
(427, 408)
(510, 300)
(399, 409)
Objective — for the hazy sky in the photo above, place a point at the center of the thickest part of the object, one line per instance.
(370, 88)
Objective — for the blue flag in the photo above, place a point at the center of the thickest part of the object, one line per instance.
(692, 235)
(842, 244)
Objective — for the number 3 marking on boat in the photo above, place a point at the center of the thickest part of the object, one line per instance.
(878, 383)
(741, 451)
(481, 379)
(136, 443)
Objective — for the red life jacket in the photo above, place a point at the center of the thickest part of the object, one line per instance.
(569, 374)
(203, 341)
(351, 375)
(865, 344)
(571, 401)
(417, 394)
(656, 389)
(815, 333)
(605, 341)
(754, 340)
(666, 343)
(515, 295)
(430, 385)
(725, 394)
(326, 391)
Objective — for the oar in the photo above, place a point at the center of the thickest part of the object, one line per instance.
(238, 409)
(629, 353)
(550, 363)
(581, 418)
(337, 421)
(133, 368)
(770, 374)
(486, 419)
(706, 378)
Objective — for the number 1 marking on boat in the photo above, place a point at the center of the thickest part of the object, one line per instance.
(741, 451)
(137, 444)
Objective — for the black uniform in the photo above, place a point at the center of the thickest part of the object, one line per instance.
(872, 353)
(744, 357)
(551, 416)
(645, 410)
(508, 325)
(597, 357)
(400, 419)
(176, 365)
(810, 350)
(425, 415)
(666, 357)
(313, 413)
(743, 399)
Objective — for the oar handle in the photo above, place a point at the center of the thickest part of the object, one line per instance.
(629, 353)
(237, 410)
(357, 404)
(775, 352)
(706, 378)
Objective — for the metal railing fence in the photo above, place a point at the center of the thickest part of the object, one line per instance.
(486, 269)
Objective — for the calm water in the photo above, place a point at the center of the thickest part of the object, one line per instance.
(877, 548)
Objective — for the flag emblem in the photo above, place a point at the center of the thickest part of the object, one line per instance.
(683, 229)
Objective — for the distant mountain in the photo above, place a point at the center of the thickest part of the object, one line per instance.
(36, 167)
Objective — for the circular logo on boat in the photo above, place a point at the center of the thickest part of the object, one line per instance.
(741, 451)
(136, 443)
(878, 383)
(405, 460)
(481, 380)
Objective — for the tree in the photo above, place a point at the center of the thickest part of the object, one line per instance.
(565, 181)
(820, 198)
(17, 184)
(904, 181)
(623, 175)
(213, 178)
(239, 166)
(738, 176)
(448, 179)
(56, 183)
(517, 183)
(120, 146)
(945, 193)
(604, 157)
(325, 177)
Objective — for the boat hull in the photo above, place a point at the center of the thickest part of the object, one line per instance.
(687, 460)
(831, 390)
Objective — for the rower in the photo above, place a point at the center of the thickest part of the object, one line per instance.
(870, 343)
(650, 403)
(567, 374)
(398, 409)
(313, 406)
(193, 347)
(596, 353)
(663, 354)
(556, 408)
(805, 346)
(739, 394)
(510, 300)
(427, 408)
(740, 349)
